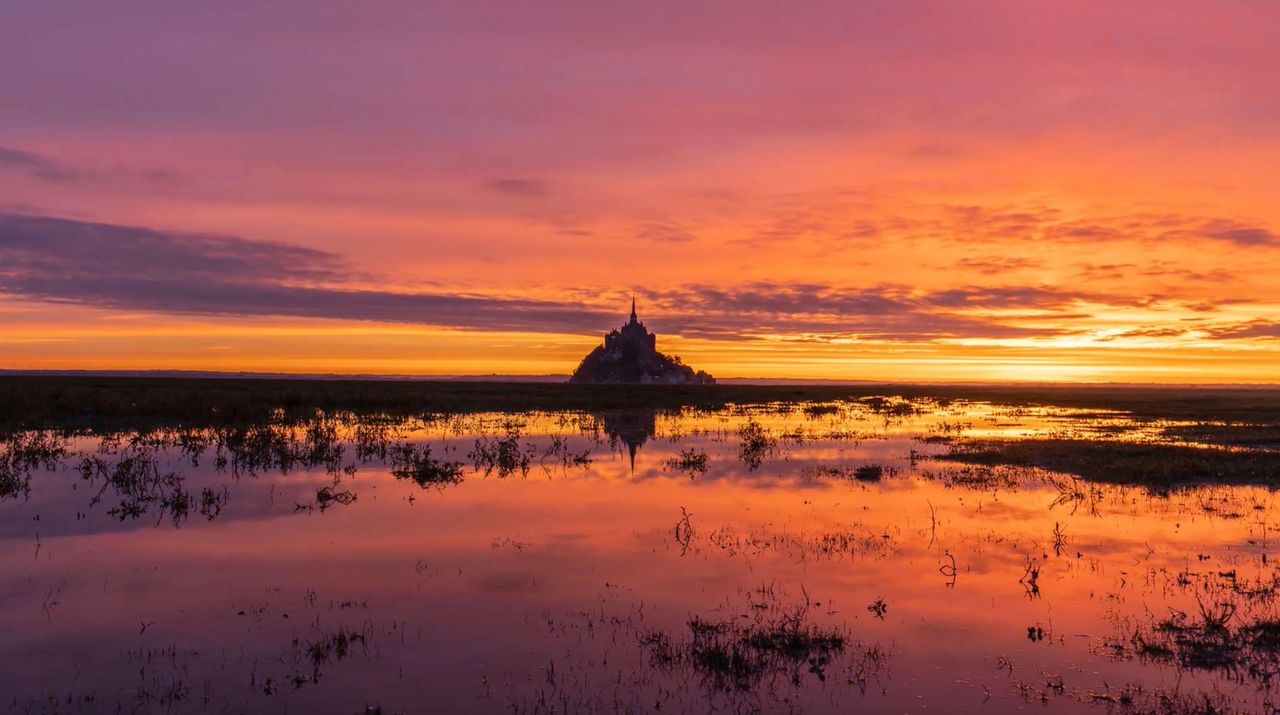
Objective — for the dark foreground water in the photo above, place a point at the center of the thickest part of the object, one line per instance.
(777, 560)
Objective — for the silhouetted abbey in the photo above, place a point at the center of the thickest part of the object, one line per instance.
(630, 354)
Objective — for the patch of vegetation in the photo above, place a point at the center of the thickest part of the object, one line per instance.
(558, 451)
(814, 411)
(503, 455)
(326, 648)
(212, 501)
(861, 473)
(801, 547)
(24, 452)
(755, 444)
(138, 482)
(892, 405)
(1146, 463)
(32, 399)
(1227, 434)
(417, 465)
(1213, 642)
(736, 654)
(328, 496)
(690, 461)
(333, 647)
(1133, 698)
(734, 658)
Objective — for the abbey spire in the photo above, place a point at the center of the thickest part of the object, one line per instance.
(630, 354)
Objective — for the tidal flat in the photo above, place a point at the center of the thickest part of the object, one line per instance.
(344, 547)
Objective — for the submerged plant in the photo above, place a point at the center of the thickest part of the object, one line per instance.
(328, 496)
(24, 452)
(691, 461)
(738, 653)
(503, 455)
(755, 444)
(417, 465)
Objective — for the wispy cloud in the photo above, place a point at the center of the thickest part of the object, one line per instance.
(1249, 329)
(520, 188)
(44, 247)
(831, 222)
(882, 312)
(1043, 223)
(143, 269)
(55, 171)
(993, 265)
(664, 232)
(36, 165)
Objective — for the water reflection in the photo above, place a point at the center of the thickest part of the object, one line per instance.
(629, 428)
(818, 558)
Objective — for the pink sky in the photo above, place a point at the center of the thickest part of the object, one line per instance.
(899, 190)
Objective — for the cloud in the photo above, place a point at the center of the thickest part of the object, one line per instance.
(58, 172)
(60, 247)
(1149, 227)
(1237, 233)
(1174, 332)
(1251, 329)
(143, 269)
(825, 222)
(37, 166)
(992, 265)
(520, 188)
(135, 268)
(1002, 297)
(826, 312)
(664, 232)
(970, 224)
(1167, 269)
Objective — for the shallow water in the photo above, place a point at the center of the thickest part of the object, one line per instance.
(819, 561)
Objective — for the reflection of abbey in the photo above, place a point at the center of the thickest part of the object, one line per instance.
(630, 354)
(629, 427)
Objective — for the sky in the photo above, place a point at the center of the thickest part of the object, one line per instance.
(891, 190)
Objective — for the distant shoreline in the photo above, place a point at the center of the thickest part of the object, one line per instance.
(564, 378)
(109, 401)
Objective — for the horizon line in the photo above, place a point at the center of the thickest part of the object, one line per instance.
(555, 378)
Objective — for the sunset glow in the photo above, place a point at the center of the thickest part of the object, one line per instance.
(910, 191)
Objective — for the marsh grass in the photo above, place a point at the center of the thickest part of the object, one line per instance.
(1233, 630)
(22, 453)
(859, 473)
(691, 461)
(503, 455)
(799, 546)
(755, 444)
(138, 482)
(1156, 465)
(1137, 698)
(31, 401)
(327, 497)
(325, 648)
(560, 453)
(1258, 435)
(416, 464)
(1214, 641)
(739, 653)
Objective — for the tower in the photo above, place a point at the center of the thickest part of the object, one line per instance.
(630, 354)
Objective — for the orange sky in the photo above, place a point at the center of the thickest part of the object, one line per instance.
(863, 190)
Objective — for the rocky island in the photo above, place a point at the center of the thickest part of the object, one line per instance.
(629, 354)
